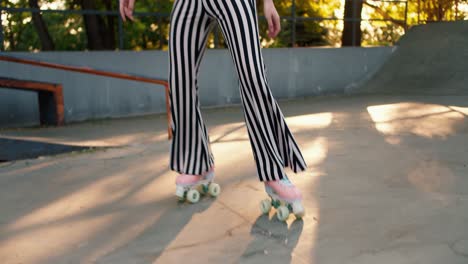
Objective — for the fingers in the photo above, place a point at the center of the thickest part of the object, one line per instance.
(129, 9)
(274, 25)
(271, 26)
(277, 23)
(126, 9)
(121, 9)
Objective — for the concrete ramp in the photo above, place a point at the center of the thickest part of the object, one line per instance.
(430, 59)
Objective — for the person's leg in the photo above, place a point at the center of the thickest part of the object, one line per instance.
(273, 145)
(190, 26)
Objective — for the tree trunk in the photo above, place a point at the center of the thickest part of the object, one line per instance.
(110, 29)
(92, 27)
(352, 29)
(100, 36)
(41, 28)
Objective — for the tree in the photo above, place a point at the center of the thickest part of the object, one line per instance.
(41, 28)
(149, 32)
(100, 31)
(402, 15)
(352, 26)
(307, 32)
(24, 31)
(19, 34)
(439, 10)
(384, 32)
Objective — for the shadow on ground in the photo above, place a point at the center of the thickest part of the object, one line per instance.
(18, 149)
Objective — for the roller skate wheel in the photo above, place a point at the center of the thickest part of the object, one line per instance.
(214, 189)
(265, 206)
(282, 213)
(193, 196)
(298, 210)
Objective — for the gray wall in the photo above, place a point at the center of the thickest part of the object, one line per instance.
(291, 73)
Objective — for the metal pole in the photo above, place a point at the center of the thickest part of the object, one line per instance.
(160, 33)
(1, 26)
(353, 23)
(293, 26)
(121, 36)
(160, 28)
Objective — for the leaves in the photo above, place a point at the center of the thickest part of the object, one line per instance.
(68, 31)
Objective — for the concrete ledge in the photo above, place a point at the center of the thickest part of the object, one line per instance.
(291, 73)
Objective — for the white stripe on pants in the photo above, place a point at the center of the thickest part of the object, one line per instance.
(272, 143)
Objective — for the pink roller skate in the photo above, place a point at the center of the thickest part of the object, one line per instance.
(187, 186)
(285, 197)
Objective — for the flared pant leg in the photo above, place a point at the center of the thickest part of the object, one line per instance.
(190, 26)
(273, 144)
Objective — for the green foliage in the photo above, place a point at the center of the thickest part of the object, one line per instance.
(68, 31)
(404, 15)
(307, 32)
(149, 32)
(18, 32)
(383, 33)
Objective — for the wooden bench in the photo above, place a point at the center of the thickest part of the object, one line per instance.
(50, 98)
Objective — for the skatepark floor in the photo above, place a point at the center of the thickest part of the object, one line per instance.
(387, 183)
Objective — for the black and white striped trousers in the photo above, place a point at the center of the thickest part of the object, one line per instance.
(272, 143)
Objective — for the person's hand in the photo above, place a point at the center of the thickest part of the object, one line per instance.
(126, 9)
(274, 26)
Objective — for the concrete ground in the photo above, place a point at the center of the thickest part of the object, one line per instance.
(387, 183)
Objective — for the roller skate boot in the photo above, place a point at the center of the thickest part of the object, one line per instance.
(285, 198)
(188, 187)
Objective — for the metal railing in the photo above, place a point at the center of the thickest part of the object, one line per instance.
(293, 19)
(81, 12)
(87, 70)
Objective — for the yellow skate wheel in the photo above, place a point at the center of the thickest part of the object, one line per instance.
(265, 206)
(214, 189)
(193, 196)
(282, 213)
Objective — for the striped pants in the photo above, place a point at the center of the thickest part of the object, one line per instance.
(272, 143)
